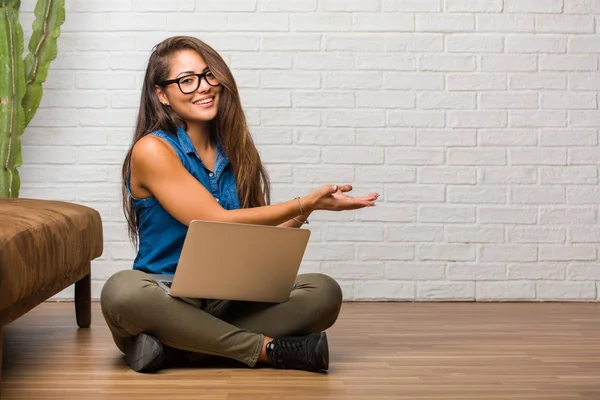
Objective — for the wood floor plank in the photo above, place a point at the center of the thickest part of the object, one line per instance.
(424, 351)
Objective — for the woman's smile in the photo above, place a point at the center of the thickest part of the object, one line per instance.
(204, 102)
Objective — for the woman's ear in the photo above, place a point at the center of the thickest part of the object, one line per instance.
(162, 97)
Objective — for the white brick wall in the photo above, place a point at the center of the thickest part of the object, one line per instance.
(476, 120)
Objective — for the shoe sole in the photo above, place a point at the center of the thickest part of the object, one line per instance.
(323, 352)
(143, 353)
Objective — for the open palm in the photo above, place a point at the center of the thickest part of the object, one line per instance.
(338, 200)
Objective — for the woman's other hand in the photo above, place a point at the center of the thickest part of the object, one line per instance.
(334, 198)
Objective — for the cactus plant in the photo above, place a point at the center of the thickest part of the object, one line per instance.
(21, 79)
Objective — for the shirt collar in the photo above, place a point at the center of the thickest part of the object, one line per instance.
(186, 144)
(184, 141)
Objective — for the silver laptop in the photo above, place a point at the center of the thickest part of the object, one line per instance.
(231, 261)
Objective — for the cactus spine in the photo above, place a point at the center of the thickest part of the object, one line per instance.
(21, 80)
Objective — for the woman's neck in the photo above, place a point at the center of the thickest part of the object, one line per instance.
(200, 136)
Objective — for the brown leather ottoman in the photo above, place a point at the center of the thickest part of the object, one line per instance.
(46, 246)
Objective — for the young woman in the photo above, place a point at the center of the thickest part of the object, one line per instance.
(192, 157)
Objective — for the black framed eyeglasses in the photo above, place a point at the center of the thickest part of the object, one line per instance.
(190, 83)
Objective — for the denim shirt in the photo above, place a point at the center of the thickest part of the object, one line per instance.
(161, 236)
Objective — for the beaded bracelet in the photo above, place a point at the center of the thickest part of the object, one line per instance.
(301, 212)
(300, 204)
(300, 222)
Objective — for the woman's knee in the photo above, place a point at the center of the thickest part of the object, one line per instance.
(123, 290)
(325, 304)
(333, 289)
(329, 292)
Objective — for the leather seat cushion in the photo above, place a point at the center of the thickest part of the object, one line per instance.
(41, 241)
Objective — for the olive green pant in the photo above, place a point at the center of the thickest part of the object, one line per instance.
(133, 303)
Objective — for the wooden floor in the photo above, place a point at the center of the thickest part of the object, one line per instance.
(378, 351)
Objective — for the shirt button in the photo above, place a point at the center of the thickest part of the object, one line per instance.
(210, 174)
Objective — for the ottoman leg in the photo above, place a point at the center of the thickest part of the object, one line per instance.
(1, 359)
(83, 301)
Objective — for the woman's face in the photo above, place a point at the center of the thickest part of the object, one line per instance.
(200, 105)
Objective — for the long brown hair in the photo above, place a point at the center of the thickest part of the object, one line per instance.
(229, 127)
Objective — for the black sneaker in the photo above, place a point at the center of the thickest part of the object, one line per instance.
(309, 352)
(145, 353)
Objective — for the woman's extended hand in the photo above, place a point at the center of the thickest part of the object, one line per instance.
(333, 198)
